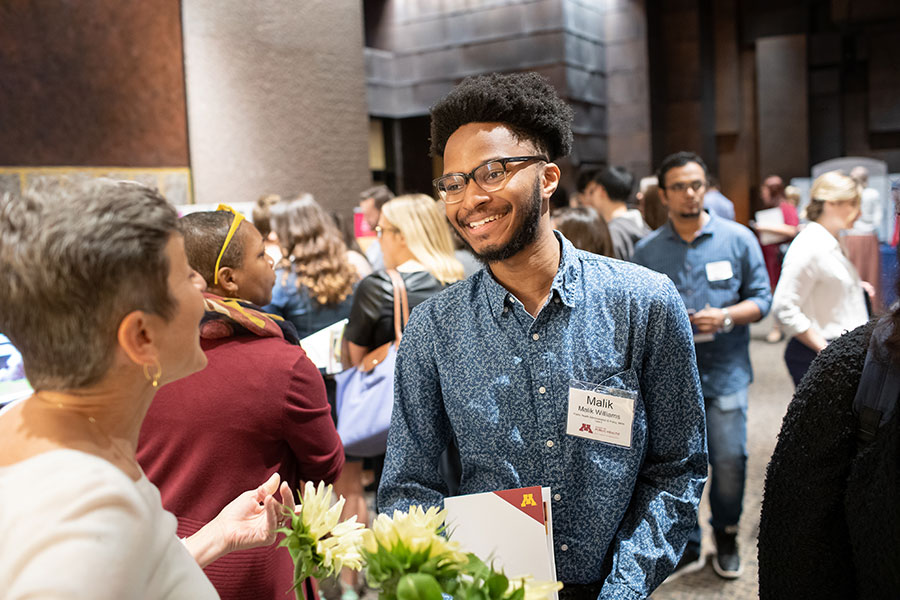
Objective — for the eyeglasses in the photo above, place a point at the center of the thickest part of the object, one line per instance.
(235, 223)
(379, 230)
(680, 188)
(490, 176)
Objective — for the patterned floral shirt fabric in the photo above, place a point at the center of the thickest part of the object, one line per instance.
(475, 365)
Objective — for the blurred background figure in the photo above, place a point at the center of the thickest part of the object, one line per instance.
(777, 236)
(655, 213)
(608, 191)
(870, 203)
(415, 240)
(355, 254)
(260, 216)
(370, 201)
(793, 197)
(820, 294)
(258, 408)
(314, 281)
(585, 229)
(861, 240)
(715, 202)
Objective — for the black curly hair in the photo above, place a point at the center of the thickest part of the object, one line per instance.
(524, 102)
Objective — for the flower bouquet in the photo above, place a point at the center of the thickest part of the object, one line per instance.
(407, 556)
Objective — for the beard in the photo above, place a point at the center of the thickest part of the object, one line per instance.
(525, 234)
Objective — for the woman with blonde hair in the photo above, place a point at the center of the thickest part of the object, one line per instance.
(819, 294)
(314, 282)
(415, 240)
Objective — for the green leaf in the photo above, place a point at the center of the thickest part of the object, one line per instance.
(418, 586)
(518, 594)
(497, 584)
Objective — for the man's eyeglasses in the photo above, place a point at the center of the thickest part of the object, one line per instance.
(680, 187)
(235, 223)
(490, 176)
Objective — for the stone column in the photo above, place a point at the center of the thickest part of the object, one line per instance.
(276, 99)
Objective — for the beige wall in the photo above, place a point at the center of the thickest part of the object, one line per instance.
(276, 99)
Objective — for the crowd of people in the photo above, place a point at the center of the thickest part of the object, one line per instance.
(170, 376)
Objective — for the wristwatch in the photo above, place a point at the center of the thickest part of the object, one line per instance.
(727, 322)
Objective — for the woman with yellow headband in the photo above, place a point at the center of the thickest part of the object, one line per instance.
(99, 298)
(259, 407)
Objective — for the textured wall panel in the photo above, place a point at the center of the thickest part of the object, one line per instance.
(782, 106)
(91, 83)
(276, 99)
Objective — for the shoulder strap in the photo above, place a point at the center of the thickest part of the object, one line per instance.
(401, 304)
(879, 387)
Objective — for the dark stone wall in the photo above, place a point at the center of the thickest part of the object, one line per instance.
(94, 83)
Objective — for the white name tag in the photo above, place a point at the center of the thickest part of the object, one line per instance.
(602, 416)
(719, 270)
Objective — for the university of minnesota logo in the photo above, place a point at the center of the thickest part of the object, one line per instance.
(586, 427)
(528, 500)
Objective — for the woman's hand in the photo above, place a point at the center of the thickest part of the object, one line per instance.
(248, 521)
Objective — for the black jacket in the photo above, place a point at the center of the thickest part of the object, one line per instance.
(830, 523)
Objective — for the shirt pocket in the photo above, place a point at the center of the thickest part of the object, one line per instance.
(724, 292)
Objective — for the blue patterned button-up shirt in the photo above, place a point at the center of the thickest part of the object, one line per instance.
(724, 363)
(476, 365)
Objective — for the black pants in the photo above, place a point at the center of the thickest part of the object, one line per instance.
(798, 357)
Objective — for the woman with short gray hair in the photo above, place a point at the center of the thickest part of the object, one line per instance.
(100, 300)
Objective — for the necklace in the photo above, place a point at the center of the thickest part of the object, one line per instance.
(125, 457)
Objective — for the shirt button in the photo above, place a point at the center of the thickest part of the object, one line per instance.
(557, 300)
(542, 390)
(505, 309)
(535, 337)
(564, 547)
(549, 443)
(557, 497)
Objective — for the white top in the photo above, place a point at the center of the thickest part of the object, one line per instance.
(76, 527)
(869, 211)
(819, 287)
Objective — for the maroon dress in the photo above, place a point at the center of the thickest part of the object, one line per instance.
(257, 408)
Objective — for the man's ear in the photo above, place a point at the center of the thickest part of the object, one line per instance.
(137, 337)
(662, 197)
(549, 180)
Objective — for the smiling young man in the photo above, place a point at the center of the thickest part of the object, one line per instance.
(718, 268)
(492, 361)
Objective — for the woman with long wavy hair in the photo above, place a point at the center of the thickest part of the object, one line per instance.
(314, 283)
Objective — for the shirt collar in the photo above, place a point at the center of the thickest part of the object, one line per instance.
(827, 241)
(566, 283)
(707, 229)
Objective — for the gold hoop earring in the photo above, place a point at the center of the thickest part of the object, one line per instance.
(154, 379)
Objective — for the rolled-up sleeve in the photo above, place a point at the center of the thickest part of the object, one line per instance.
(755, 285)
(666, 497)
(798, 277)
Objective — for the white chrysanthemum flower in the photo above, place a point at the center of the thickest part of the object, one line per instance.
(417, 530)
(318, 515)
(341, 548)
